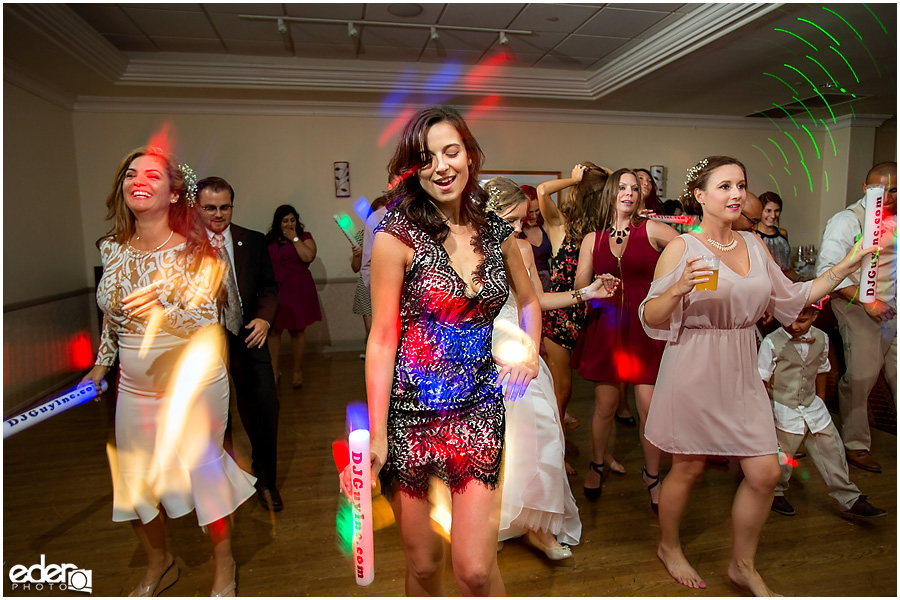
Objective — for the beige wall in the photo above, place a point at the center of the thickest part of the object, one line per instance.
(276, 159)
(43, 244)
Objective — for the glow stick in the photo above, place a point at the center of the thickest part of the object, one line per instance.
(868, 278)
(79, 395)
(679, 219)
(346, 225)
(361, 489)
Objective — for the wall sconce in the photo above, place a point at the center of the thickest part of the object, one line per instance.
(342, 179)
(658, 173)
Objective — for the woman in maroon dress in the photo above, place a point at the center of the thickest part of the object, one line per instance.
(291, 250)
(614, 350)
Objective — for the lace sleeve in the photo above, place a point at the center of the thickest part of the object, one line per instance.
(109, 335)
(189, 295)
(109, 343)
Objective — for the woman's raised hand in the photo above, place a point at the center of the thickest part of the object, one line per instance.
(578, 172)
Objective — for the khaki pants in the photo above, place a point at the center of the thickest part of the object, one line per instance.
(869, 348)
(827, 452)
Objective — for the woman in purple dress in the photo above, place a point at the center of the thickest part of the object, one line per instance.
(291, 250)
(614, 350)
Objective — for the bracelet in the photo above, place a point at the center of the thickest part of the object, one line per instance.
(579, 297)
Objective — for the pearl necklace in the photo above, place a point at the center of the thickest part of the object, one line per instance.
(142, 253)
(723, 247)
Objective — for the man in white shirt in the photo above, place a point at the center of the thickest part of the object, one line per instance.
(868, 331)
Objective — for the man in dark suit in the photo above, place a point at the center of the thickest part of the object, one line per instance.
(250, 364)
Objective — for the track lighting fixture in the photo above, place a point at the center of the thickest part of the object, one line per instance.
(503, 39)
(352, 31)
(434, 34)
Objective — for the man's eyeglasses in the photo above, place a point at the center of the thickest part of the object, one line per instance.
(211, 210)
(753, 222)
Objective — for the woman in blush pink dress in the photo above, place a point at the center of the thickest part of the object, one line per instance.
(709, 398)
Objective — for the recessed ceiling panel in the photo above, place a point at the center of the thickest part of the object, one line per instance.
(553, 17)
(334, 10)
(488, 14)
(587, 46)
(132, 43)
(172, 23)
(257, 48)
(107, 19)
(247, 9)
(232, 27)
(203, 46)
(429, 15)
(619, 22)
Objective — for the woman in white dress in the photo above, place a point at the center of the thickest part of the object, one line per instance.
(537, 501)
(160, 297)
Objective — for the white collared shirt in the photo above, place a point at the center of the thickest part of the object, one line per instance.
(840, 234)
(795, 420)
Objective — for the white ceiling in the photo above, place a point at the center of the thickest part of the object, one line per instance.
(714, 59)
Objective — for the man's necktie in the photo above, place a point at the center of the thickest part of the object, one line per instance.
(231, 316)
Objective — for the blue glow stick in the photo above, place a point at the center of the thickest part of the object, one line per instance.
(78, 395)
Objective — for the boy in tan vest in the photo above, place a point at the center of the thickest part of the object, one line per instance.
(793, 361)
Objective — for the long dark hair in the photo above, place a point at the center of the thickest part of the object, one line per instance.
(405, 193)
(275, 234)
(183, 219)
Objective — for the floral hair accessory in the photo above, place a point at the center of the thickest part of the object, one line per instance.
(691, 174)
(190, 184)
(494, 197)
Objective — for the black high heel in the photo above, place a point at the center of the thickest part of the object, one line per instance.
(594, 493)
(650, 486)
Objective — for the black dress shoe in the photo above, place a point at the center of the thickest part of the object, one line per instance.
(265, 495)
(628, 421)
(782, 506)
(861, 509)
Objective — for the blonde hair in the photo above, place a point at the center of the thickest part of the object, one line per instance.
(503, 194)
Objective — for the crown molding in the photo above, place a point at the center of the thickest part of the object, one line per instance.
(98, 104)
(63, 27)
(674, 42)
(30, 82)
(378, 78)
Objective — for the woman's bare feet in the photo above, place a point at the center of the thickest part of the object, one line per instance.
(570, 470)
(749, 579)
(679, 568)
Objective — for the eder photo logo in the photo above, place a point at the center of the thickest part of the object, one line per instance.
(42, 576)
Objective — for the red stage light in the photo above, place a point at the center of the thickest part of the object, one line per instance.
(81, 354)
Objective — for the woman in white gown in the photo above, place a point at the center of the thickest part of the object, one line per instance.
(537, 501)
(160, 297)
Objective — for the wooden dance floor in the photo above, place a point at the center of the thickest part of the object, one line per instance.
(57, 501)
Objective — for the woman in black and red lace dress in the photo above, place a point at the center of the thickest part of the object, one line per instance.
(442, 268)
